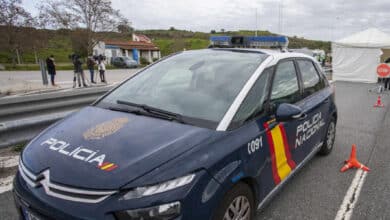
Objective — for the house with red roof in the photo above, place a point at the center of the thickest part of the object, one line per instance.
(140, 47)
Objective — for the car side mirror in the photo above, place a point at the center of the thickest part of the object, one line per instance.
(286, 112)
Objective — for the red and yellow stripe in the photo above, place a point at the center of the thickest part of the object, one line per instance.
(107, 166)
(282, 163)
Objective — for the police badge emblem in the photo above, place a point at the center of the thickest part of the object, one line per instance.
(105, 129)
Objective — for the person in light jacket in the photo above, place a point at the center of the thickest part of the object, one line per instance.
(102, 70)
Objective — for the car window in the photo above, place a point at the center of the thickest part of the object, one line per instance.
(199, 84)
(310, 78)
(176, 78)
(285, 87)
(254, 103)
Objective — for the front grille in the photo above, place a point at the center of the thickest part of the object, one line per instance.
(60, 191)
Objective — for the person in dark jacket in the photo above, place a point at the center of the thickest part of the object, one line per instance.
(78, 71)
(387, 83)
(91, 66)
(51, 69)
(387, 79)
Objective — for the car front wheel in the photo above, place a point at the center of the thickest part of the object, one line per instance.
(237, 204)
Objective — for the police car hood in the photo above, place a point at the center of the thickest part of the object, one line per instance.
(102, 149)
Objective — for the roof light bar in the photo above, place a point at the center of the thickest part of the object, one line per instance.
(249, 41)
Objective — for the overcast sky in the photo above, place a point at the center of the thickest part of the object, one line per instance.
(312, 19)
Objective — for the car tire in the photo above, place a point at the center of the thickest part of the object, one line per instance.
(240, 196)
(328, 143)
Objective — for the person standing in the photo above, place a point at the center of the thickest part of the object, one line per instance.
(387, 79)
(78, 70)
(102, 70)
(387, 83)
(51, 69)
(91, 65)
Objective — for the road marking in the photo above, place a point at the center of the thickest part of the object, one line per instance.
(9, 161)
(6, 184)
(352, 196)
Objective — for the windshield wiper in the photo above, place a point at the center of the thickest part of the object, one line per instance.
(152, 111)
(134, 111)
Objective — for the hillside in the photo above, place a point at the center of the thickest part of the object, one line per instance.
(171, 41)
(41, 43)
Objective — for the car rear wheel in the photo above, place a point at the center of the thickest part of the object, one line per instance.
(238, 204)
(328, 143)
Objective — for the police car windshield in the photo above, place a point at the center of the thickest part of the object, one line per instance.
(199, 84)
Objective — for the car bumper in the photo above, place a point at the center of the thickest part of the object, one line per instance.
(35, 202)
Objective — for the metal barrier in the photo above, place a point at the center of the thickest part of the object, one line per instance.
(23, 117)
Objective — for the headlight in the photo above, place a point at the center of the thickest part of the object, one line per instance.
(161, 212)
(158, 188)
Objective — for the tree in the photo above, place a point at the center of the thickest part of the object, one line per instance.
(90, 15)
(172, 28)
(213, 32)
(13, 17)
(125, 28)
(222, 30)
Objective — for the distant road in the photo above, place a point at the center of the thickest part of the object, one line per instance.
(64, 76)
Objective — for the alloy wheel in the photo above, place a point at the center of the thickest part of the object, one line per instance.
(239, 209)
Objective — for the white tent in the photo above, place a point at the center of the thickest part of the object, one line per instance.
(355, 58)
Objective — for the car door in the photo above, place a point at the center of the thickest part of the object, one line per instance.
(115, 61)
(121, 62)
(265, 148)
(286, 88)
(315, 103)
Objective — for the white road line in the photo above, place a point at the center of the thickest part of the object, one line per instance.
(9, 161)
(352, 196)
(6, 184)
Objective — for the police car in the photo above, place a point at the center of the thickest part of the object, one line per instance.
(205, 134)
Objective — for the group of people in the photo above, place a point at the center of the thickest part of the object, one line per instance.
(101, 68)
(78, 69)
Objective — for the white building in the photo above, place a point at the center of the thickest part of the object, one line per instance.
(140, 47)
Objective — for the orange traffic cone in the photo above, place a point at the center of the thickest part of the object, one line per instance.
(353, 162)
(379, 102)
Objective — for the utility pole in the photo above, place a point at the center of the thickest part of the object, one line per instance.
(280, 16)
(256, 24)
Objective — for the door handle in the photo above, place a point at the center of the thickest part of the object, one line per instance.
(300, 116)
(326, 100)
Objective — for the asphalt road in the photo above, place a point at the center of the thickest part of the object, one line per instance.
(64, 76)
(16, 82)
(318, 190)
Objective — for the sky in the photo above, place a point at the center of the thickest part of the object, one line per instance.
(312, 19)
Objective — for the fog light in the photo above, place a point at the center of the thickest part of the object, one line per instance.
(161, 212)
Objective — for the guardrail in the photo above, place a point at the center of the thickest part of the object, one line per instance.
(23, 117)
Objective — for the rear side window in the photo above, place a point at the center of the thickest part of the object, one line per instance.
(310, 78)
(285, 87)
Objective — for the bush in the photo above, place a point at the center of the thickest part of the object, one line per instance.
(144, 61)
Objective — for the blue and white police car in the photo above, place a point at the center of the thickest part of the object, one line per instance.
(204, 134)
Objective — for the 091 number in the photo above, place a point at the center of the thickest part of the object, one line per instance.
(255, 145)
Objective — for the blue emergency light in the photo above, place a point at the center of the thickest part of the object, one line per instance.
(249, 41)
